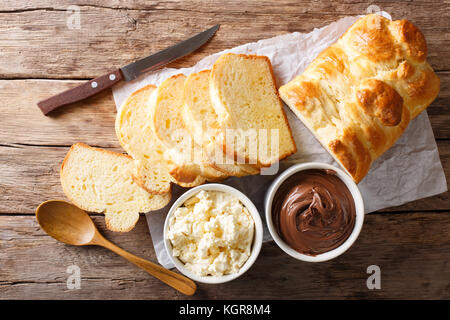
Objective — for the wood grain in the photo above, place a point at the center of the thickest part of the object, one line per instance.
(30, 175)
(411, 243)
(37, 43)
(409, 249)
(92, 121)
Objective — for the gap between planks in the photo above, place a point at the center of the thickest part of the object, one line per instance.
(82, 79)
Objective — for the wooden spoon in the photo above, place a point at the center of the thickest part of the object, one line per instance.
(69, 224)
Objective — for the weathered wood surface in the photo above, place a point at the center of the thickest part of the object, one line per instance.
(92, 121)
(30, 175)
(40, 56)
(33, 146)
(410, 250)
(37, 43)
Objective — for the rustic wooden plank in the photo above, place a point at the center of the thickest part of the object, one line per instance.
(36, 41)
(412, 251)
(232, 6)
(30, 175)
(439, 110)
(92, 121)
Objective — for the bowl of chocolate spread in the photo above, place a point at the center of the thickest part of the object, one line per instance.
(314, 211)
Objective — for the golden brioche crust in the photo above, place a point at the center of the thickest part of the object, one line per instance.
(359, 95)
(382, 102)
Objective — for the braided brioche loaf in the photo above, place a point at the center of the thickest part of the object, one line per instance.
(359, 95)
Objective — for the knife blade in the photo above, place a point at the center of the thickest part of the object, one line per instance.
(158, 60)
(127, 73)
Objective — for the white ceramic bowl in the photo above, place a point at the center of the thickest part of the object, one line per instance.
(359, 206)
(257, 237)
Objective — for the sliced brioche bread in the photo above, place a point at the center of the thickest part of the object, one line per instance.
(245, 98)
(182, 153)
(98, 180)
(137, 138)
(201, 121)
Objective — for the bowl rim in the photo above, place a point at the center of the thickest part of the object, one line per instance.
(257, 236)
(359, 208)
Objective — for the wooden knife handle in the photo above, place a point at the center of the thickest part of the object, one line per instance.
(81, 92)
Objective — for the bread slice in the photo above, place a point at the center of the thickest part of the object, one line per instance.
(137, 138)
(98, 180)
(202, 122)
(182, 153)
(245, 98)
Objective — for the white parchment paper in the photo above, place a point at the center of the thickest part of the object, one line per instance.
(408, 171)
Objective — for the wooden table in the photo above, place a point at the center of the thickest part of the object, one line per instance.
(41, 56)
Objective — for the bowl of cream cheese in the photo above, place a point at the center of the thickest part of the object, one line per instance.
(213, 233)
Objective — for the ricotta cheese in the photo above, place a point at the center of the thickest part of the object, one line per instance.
(211, 233)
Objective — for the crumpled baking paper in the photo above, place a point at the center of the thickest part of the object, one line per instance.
(408, 171)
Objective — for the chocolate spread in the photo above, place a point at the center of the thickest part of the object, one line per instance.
(314, 211)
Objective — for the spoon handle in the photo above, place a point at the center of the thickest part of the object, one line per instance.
(175, 280)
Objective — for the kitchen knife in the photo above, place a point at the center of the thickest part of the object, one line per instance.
(127, 73)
